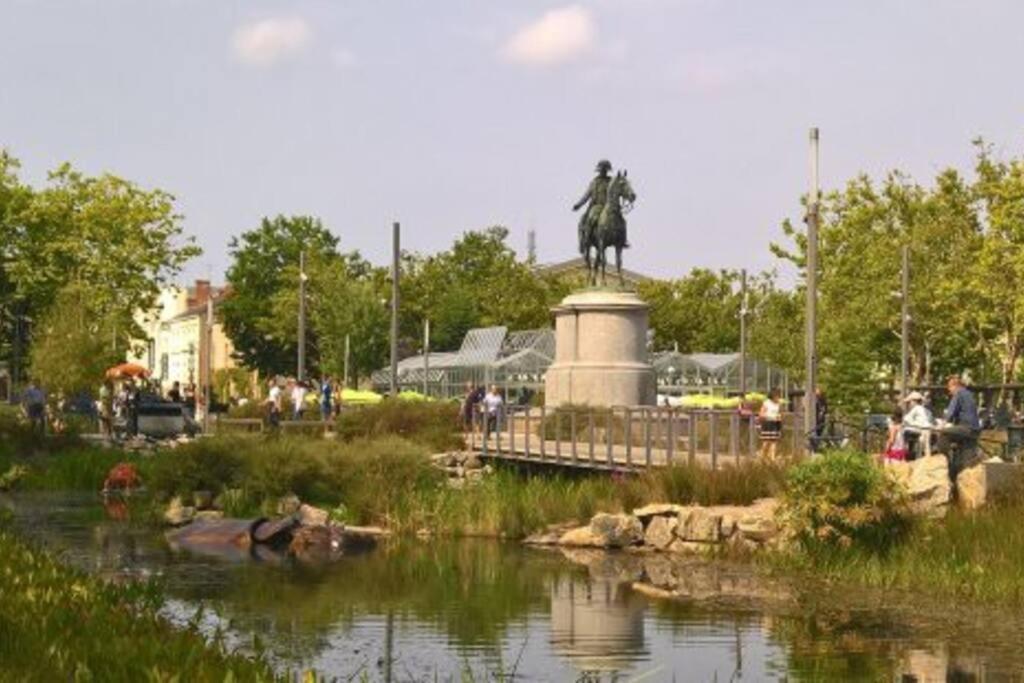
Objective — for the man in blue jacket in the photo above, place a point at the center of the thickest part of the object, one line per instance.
(958, 438)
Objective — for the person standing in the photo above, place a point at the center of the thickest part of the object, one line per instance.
(895, 443)
(106, 409)
(190, 399)
(470, 401)
(770, 422)
(174, 394)
(274, 405)
(492, 405)
(918, 423)
(298, 399)
(133, 397)
(326, 398)
(34, 405)
(820, 416)
(958, 436)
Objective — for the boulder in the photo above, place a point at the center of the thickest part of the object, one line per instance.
(580, 537)
(288, 505)
(617, 531)
(311, 516)
(691, 547)
(699, 524)
(472, 462)
(549, 536)
(661, 531)
(647, 512)
(178, 514)
(976, 485)
(208, 515)
(928, 485)
(659, 571)
(757, 526)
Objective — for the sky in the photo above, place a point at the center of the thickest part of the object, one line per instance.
(456, 115)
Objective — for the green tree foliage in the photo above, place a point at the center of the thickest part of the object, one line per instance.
(111, 242)
(478, 282)
(262, 260)
(863, 228)
(76, 340)
(699, 312)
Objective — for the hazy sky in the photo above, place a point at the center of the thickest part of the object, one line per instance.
(453, 115)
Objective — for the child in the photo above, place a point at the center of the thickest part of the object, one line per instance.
(896, 444)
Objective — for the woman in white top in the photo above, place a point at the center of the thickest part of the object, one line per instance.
(770, 422)
(917, 422)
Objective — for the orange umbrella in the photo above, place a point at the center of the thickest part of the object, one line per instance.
(127, 370)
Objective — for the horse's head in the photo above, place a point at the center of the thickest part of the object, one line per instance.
(620, 188)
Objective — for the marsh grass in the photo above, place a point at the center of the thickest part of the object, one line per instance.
(59, 624)
(434, 424)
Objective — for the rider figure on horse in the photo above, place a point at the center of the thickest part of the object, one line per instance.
(597, 196)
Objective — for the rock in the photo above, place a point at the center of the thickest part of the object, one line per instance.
(647, 512)
(581, 537)
(617, 531)
(474, 475)
(549, 536)
(442, 460)
(758, 527)
(317, 543)
(288, 505)
(374, 531)
(658, 570)
(208, 515)
(976, 485)
(928, 485)
(691, 547)
(699, 524)
(178, 514)
(203, 500)
(312, 516)
(472, 462)
(661, 531)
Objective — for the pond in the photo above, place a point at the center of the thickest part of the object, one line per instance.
(485, 610)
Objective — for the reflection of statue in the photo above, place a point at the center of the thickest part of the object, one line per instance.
(597, 623)
(603, 224)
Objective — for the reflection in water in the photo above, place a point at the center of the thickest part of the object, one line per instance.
(598, 624)
(425, 611)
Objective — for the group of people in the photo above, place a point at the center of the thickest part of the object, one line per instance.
(326, 390)
(957, 431)
(476, 401)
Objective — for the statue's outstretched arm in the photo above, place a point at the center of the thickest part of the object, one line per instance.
(583, 200)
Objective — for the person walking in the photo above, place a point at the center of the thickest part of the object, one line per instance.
(273, 405)
(820, 417)
(34, 405)
(958, 433)
(106, 409)
(470, 402)
(492, 405)
(770, 422)
(326, 398)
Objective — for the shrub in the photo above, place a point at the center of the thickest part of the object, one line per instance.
(843, 499)
(729, 485)
(204, 465)
(433, 424)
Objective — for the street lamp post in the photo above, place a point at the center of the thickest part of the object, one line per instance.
(395, 274)
(811, 370)
(300, 370)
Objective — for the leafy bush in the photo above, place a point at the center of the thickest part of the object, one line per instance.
(844, 499)
(433, 424)
(204, 465)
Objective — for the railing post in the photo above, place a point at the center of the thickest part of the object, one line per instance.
(590, 425)
(497, 430)
(510, 416)
(558, 434)
(670, 436)
(483, 428)
(647, 437)
(752, 435)
(609, 428)
(526, 425)
(691, 436)
(734, 435)
(713, 435)
(627, 432)
(572, 434)
(543, 423)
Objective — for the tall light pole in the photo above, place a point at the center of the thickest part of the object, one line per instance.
(426, 356)
(348, 351)
(905, 321)
(208, 364)
(395, 274)
(300, 371)
(811, 369)
(744, 309)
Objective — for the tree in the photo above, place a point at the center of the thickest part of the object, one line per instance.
(262, 260)
(699, 312)
(76, 340)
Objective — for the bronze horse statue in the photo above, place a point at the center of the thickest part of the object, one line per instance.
(611, 227)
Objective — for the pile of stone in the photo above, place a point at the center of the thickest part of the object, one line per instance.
(462, 467)
(931, 490)
(666, 527)
(200, 507)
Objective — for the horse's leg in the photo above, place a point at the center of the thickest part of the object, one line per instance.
(618, 264)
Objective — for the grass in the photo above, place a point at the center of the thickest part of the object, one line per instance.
(60, 624)
(974, 556)
(433, 424)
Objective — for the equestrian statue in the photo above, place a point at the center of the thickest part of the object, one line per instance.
(603, 224)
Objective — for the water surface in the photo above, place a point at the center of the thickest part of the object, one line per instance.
(484, 610)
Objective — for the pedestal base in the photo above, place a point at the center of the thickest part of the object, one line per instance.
(600, 352)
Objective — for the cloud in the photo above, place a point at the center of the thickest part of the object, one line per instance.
(559, 36)
(267, 41)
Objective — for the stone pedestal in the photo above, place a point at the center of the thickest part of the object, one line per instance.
(600, 352)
